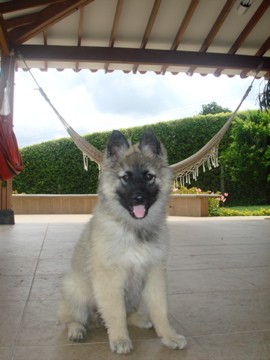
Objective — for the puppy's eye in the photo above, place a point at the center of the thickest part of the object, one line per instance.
(125, 178)
(150, 178)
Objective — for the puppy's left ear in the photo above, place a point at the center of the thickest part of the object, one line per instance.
(149, 143)
(117, 145)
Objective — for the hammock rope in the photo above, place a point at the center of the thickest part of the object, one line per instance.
(184, 170)
(208, 154)
(88, 150)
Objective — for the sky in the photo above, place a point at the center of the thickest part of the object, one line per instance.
(94, 102)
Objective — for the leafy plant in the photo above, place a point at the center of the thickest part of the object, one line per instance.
(264, 97)
(244, 212)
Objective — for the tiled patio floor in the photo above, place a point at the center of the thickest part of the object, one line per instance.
(219, 291)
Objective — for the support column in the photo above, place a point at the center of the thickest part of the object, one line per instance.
(6, 212)
(7, 77)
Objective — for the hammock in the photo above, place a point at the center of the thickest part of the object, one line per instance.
(183, 170)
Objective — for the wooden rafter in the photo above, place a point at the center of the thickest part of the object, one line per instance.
(20, 21)
(150, 23)
(47, 17)
(149, 28)
(215, 29)
(246, 31)
(12, 6)
(45, 42)
(116, 22)
(115, 27)
(262, 50)
(4, 43)
(183, 27)
(80, 34)
(80, 28)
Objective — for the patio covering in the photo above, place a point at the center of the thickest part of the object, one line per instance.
(193, 36)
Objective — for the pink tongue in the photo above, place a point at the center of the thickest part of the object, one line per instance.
(139, 211)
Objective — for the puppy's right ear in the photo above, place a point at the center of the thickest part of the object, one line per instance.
(117, 145)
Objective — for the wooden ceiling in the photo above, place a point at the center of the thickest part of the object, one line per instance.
(193, 36)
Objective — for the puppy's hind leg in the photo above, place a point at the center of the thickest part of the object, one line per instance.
(75, 318)
(140, 320)
(73, 308)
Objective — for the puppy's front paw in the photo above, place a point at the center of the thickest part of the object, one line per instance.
(76, 332)
(121, 346)
(174, 341)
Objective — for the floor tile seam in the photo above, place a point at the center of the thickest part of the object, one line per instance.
(211, 255)
(222, 269)
(29, 294)
(217, 254)
(211, 291)
(216, 268)
(259, 331)
(220, 244)
(55, 258)
(83, 343)
(239, 277)
(185, 331)
(13, 351)
(216, 245)
(220, 291)
(50, 273)
(205, 350)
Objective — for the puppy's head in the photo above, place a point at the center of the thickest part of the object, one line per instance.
(138, 174)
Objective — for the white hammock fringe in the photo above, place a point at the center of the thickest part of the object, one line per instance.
(210, 160)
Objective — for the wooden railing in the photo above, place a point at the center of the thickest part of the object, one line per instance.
(179, 205)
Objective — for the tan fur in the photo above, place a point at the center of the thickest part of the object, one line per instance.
(113, 271)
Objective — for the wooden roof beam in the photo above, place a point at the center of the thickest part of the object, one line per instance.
(115, 27)
(11, 6)
(4, 42)
(116, 22)
(20, 21)
(149, 28)
(141, 56)
(262, 50)
(215, 29)
(183, 27)
(80, 34)
(47, 17)
(246, 31)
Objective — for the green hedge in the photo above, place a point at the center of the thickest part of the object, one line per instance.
(246, 160)
(57, 166)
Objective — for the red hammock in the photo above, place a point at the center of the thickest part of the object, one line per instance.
(10, 158)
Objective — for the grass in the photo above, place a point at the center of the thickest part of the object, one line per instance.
(254, 210)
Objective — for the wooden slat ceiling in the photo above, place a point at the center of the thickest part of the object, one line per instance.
(191, 36)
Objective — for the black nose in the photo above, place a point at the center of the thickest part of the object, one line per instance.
(138, 199)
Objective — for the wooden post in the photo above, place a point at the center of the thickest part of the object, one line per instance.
(7, 74)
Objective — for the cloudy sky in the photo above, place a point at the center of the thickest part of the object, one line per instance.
(92, 102)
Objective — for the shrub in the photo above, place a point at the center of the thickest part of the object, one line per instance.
(246, 159)
(57, 166)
